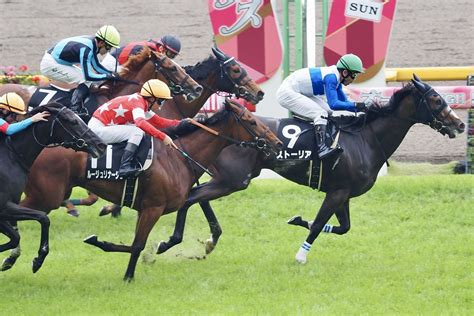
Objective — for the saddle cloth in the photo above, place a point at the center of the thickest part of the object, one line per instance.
(52, 93)
(107, 166)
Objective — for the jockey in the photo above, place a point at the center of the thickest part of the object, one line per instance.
(12, 102)
(129, 117)
(316, 92)
(168, 44)
(74, 61)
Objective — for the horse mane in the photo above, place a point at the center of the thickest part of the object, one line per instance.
(134, 63)
(46, 107)
(201, 69)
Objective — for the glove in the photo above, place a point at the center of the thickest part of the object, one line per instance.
(169, 142)
(113, 76)
(200, 119)
(361, 107)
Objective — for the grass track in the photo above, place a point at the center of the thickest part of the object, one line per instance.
(409, 252)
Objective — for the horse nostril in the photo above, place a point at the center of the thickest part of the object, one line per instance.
(198, 89)
(461, 127)
(260, 95)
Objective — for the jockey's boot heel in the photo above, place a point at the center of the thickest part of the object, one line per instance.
(126, 165)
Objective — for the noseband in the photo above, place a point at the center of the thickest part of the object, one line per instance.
(75, 142)
(433, 120)
(238, 83)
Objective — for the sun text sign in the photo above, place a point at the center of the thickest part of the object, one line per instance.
(366, 10)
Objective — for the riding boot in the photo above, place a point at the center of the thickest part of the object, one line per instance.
(127, 169)
(324, 151)
(78, 97)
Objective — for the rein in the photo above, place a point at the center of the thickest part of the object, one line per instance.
(259, 142)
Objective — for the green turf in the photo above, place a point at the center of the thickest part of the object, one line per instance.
(409, 252)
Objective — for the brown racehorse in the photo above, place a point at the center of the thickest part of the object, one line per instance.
(162, 188)
(138, 69)
(217, 73)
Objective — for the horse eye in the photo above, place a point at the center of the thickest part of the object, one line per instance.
(439, 102)
(174, 68)
(236, 70)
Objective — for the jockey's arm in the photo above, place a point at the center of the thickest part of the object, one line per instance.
(333, 96)
(142, 123)
(87, 63)
(14, 128)
(160, 122)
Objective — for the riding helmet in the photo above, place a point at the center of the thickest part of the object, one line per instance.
(110, 35)
(13, 102)
(155, 88)
(350, 62)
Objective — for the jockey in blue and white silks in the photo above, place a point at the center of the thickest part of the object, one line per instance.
(316, 92)
(74, 60)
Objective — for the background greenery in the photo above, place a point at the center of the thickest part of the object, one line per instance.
(409, 252)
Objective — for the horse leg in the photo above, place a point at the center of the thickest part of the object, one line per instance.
(11, 231)
(333, 201)
(113, 209)
(178, 232)
(146, 220)
(342, 215)
(21, 213)
(214, 226)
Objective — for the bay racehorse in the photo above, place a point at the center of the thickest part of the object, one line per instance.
(17, 154)
(218, 73)
(138, 69)
(366, 149)
(163, 187)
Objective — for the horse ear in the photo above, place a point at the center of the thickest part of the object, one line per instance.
(418, 83)
(219, 54)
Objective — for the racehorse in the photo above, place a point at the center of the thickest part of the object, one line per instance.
(163, 187)
(366, 149)
(17, 154)
(217, 73)
(138, 69)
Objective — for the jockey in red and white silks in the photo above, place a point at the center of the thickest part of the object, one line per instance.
(127, 118)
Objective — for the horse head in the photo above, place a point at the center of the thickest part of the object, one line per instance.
(254, 133)
(66, 129)
(152, 65)
(432, 109)
(242, 85)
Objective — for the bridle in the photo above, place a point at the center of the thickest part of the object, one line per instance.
(75, 142)
(176, 88)
(239, 83)
(259, 143)
(433, 121)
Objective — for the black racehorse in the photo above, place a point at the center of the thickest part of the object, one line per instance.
(366, 148)
(17, 154)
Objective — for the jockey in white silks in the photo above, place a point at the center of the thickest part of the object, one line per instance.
(316, 92)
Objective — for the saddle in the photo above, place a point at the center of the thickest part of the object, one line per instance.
(107, 166)
(50, 93)
(299, 142)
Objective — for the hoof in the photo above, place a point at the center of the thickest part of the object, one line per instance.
(73, 212)
(91, 240)
(7, 263)
(300, 261)
(210, 245)
(105, 211)
(295, 220)
(37, 263)
(162, 247)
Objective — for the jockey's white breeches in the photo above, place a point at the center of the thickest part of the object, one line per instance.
(53, 70)
(313, 107)
(116, 133)
(109, 62)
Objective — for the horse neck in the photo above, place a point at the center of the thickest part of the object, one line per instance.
(180, 108)
(205, 147)
(386, 133)
(26, 147)
(146, 72)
